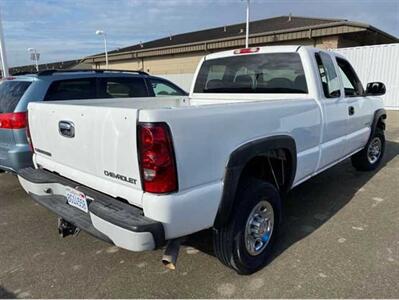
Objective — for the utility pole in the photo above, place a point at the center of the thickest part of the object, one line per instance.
(3, 50)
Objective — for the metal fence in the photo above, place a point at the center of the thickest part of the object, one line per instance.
(377, 63)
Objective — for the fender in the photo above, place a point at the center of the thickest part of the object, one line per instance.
(379, 114)
(237, 162)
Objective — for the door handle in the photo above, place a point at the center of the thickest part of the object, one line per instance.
(351, 110)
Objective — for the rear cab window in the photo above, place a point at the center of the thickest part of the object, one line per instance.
(257, 73)
(11, 91)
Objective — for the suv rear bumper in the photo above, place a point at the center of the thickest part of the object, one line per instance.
(15, 158)
(108, 218)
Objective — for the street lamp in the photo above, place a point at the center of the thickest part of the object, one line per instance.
(34, 56)
(247, 26)
(3, 56)
(102, 32)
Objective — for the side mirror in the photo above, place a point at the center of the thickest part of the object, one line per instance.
(375, 89)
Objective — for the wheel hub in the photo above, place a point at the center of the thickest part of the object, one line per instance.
(259, 228)
(374, 150)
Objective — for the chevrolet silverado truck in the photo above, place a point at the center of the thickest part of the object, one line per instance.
(147, 172)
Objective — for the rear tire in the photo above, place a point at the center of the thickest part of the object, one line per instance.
(246, 241)
(370, 157)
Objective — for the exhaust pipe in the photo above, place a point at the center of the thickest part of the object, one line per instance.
(171, 253)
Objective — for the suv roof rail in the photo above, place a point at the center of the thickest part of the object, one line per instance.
(51, 72)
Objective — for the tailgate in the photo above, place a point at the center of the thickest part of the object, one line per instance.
(102, 152)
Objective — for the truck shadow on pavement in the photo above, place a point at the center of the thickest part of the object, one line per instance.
(5, 294)
(313, 203)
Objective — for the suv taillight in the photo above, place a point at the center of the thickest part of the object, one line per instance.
(13, 120)
(157, 159)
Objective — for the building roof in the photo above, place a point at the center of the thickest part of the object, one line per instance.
(281, 24)
(69, 64)
(236, 30)
(265, 31)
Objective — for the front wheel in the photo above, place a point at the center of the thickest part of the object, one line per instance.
(246, 242)
(370, 157)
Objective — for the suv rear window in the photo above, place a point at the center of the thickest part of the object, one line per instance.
(256, 73)
(11, 92)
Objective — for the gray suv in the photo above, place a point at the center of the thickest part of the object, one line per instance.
(52, 85)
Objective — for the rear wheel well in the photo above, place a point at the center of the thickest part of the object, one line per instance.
(381, 122)
(274, 166)
(271, 159)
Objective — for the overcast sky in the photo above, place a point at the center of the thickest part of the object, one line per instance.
(65, 29)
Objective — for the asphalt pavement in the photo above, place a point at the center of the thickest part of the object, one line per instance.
(340, 239)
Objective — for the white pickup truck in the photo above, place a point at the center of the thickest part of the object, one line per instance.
(144, 172)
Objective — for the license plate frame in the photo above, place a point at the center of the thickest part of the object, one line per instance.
(77, 199)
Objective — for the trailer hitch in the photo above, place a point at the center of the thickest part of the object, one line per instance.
(66, 228)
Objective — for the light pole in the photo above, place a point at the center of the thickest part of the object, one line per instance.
(247, 29)
(34, 56)
(3, 51)
(102, 32)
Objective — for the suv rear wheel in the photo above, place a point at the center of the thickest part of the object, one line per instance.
(246, 242)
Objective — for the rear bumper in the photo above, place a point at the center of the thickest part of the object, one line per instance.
(108, 219)
(16, 158)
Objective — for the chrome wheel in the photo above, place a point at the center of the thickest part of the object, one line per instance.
(374, 150)
(259, 228)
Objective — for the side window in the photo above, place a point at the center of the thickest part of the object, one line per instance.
(163, 88)
(72, 89)
(328, 75)
(352, 85)
(122, 87)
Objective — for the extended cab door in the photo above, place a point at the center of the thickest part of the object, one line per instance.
(358, 108)
(334, 109)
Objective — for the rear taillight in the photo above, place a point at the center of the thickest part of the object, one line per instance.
(28, 136)
(246, 50)
(157, 160)
(13, 120)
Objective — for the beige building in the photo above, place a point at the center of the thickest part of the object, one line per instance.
(180, 54)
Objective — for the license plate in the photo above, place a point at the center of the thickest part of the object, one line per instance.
(77, 199)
